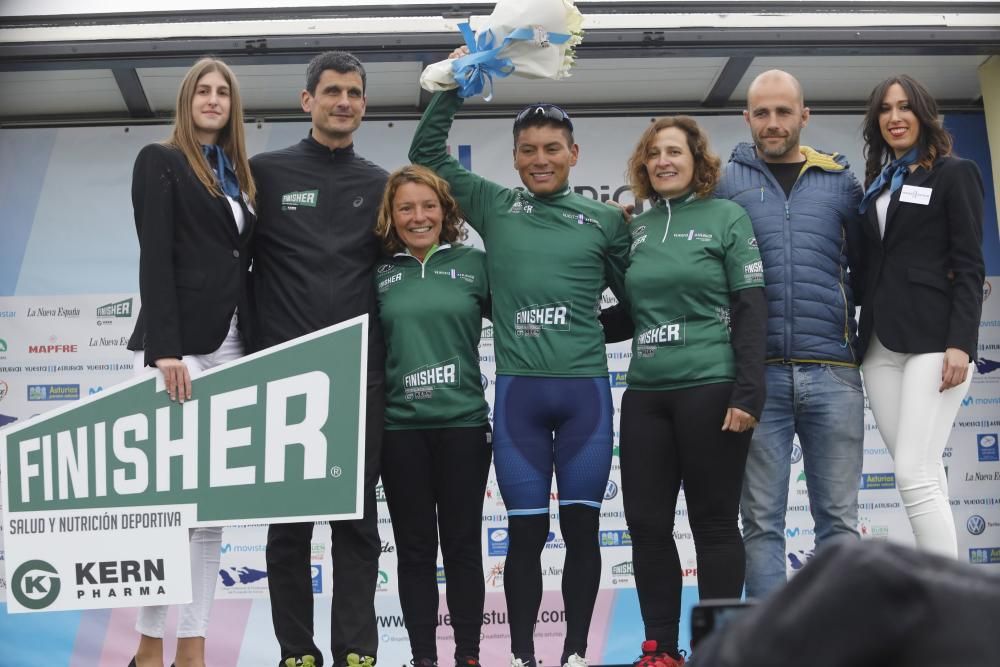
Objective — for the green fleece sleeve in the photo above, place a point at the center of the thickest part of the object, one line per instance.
(475, 195)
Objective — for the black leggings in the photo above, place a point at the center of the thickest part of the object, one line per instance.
(668, 437)
(432, 480)
(581, 576)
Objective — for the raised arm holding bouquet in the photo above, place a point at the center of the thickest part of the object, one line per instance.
(530, 38)
(550, 253)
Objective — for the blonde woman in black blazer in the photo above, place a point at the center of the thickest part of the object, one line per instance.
(193, 201)
(921, 286)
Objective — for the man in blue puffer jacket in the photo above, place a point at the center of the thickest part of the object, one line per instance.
(803, 206)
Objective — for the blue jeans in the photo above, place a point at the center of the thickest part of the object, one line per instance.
(824, 405)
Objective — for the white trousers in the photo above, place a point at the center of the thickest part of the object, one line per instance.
(915, 421)
(204, 543)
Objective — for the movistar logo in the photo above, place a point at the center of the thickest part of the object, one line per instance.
(292, 200)
(35, 584)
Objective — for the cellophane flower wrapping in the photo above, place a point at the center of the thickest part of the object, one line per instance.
(529, 58)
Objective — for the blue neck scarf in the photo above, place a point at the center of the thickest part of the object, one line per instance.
(223, 168)
(893, 173)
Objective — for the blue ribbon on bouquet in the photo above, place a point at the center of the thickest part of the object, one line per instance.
(474, 72)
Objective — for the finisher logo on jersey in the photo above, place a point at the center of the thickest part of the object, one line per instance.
(419, 384)
(532, 320)
(290, 201)
(667, 334)
(754, 271)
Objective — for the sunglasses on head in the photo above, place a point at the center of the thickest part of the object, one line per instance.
(549, 111)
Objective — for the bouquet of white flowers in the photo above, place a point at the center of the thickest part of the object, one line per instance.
(531, 38)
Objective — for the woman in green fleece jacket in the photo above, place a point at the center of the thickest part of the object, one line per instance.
(695, 286)
(433, 293)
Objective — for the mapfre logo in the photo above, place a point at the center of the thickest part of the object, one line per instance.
(52, 347)
(35, 584)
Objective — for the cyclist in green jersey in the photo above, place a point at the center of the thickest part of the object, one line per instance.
(551, 252)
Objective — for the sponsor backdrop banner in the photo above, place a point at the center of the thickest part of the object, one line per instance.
(285, 427)
(65, 282)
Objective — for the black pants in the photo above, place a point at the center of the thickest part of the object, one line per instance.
(354, 553)
(435, 481)
(668, 437)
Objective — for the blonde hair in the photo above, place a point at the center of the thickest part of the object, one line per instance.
(231, 138)
(452, 226)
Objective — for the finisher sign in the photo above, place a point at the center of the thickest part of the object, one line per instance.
(98, 496)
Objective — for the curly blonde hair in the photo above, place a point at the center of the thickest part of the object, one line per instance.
(452, 225)
(707, 166)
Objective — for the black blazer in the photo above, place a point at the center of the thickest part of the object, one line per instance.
(193, 262)
(922, 284)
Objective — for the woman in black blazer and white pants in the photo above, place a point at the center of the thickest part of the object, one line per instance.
(193, 201)
(921, 283)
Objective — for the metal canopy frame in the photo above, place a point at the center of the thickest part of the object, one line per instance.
(919, 31)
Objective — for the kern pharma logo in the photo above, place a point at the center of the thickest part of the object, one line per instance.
(270, 437)
(290, 201)
(35, 584)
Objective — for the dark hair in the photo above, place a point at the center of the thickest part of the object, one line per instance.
(549, 115)
(707, 166)
(339, 61)
(933, 141)
(452, 226)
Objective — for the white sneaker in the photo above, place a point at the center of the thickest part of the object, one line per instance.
(575, 661)
(517, 662)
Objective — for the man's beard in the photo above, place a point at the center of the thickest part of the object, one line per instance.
(787, 144)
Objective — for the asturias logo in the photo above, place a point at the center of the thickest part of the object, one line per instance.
(878, 480)
(976, 524)
(35, 584)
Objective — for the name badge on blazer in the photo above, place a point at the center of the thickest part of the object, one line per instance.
(914, 194)
(246, 201)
